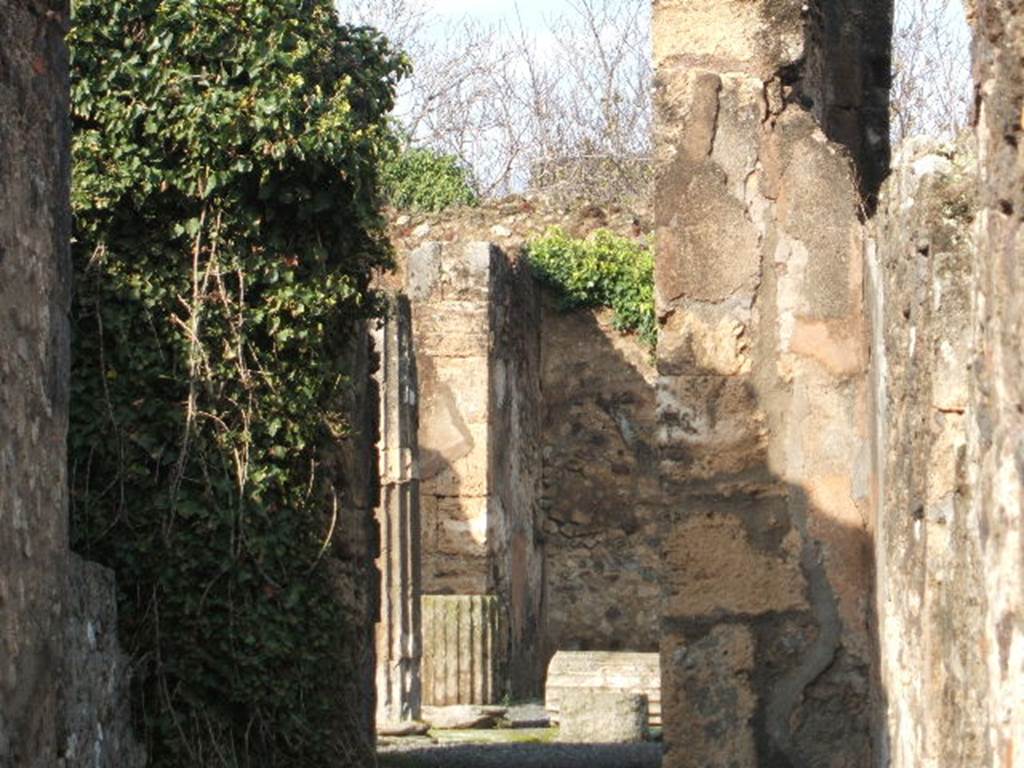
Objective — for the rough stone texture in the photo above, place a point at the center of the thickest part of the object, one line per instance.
(464, 650)
(762, 397)
(928, 547)
(96, 723)
(399, 633)
(996, 415)
(603, 671)
(602, 496)
(602, 717)
(34, 295)
(476, 339)
(350, 509)
(516, 541)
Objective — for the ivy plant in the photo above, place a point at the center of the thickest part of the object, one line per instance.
(603, 270)
(423, 179)
(225, 200)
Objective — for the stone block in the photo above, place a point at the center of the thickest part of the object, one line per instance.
(97, 720)
(596, 672)
(602, 717)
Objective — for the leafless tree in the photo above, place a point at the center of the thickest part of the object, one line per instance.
(564, 110)
(931, 92)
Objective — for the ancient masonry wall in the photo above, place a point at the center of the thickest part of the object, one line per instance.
(766, 646)
(995, 453)
(63, 680)
(928, 545)
(34, 295)
(602, 500)
(571, 408)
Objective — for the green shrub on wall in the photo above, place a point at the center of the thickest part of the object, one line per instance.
(226, 227)
(422, 179)
(604, 270)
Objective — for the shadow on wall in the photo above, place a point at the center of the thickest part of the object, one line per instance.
(602, 498)
(767, 656)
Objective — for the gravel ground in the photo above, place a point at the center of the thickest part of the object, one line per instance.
(523, 756)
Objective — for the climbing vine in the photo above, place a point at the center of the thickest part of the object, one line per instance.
(226, 160)
(604, 270)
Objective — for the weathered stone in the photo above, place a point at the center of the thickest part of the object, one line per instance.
(995, 452)
(477, 346)
(399, 631)
(762, 402)
(709, 698)
(96, 726)
(603, 671)
(602, 717)
(35, 236)
(462, 717)
(602, 496)
(928, 546)
(465, 650)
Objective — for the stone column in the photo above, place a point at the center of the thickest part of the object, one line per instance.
(464, 637)
(762, 108)
(476, 329)
(398, 515)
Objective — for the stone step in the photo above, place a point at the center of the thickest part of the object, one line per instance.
(603, 671)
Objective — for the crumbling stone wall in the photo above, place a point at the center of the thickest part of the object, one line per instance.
(34, 294)
(96, 723)
(928, 545)
(995, 455)
(63, 679)
(602, 496)
(766, 648)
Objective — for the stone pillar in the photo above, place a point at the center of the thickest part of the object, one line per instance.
(35, 236)
(398, 515)
(464, 637)
(766, 654)
(476, 335)
(449, 288)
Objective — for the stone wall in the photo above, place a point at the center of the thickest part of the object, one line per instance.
(919, 273)
(766, 648)
(96, 724)
(63, 679)
(34, 294)
(602, 500)
(995, 453)
(929, 573)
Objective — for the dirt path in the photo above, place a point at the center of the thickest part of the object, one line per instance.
(523, 756)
